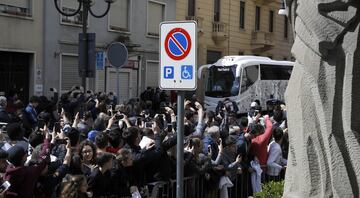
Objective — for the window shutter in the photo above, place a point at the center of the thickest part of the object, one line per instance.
(69, 72)
(152, 74)
(124, 84)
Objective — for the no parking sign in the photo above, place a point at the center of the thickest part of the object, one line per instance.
(178, 55)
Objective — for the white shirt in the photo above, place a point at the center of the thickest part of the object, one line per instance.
(275, 160)
(256, 176)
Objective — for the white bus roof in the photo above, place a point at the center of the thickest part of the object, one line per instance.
(244, 61)
(231, 60)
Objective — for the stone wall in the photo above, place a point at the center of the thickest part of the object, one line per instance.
(323, 100)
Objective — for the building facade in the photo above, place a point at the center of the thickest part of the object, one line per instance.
(134, 23)
(21, 47)
(39, 46)
(238, 27)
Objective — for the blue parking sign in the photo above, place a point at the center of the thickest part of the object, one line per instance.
(169, 72)
(100, 60)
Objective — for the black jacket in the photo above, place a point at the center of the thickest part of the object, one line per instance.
(47, 185)
(100, 183)
(142, 156)
(122, 178)
(4, 116)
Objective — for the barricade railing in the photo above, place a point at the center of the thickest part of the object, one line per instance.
(195, 187)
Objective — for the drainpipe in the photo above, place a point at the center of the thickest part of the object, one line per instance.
(138, 76)
(43, 47)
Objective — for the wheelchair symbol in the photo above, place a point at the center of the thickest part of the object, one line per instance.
(186, 72)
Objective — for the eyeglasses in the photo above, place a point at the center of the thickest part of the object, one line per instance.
(87, 151)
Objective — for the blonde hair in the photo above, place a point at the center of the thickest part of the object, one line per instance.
(71, 187)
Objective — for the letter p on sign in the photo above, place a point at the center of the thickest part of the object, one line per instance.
(169, 72)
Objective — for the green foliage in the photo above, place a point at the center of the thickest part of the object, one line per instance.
(271, 189)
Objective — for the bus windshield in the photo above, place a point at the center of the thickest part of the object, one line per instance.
(222, 82)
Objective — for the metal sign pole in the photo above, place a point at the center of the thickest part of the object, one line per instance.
(117, 55)
(178, 72)
(180, 145)
(117, 85)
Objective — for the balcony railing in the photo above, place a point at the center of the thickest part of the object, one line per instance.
(219, 27)
(219, 31)
(261, 41)
(14, 10)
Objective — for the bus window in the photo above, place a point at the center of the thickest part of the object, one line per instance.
(222, 82)
(249, 76)
(275, 72)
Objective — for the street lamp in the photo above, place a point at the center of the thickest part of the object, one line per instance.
(283, 9)
(86, 7)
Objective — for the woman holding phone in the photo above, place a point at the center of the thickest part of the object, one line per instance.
(87, 153)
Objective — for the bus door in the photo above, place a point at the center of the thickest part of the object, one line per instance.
(248, 86)
(203, 73)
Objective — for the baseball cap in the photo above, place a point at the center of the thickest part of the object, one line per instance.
(91, 135)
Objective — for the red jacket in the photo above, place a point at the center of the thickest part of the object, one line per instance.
(259, 144)
(23, 178)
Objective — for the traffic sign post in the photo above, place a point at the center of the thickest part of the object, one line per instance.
(178, 72)
(180, 145)
(178, 55)
(117, 55)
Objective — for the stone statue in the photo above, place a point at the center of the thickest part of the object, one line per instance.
(323, 100)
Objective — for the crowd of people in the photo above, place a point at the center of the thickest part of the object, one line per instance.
(84, 144)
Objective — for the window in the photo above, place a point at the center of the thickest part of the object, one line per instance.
(155, 14)
(70, 6)
(285, 27)
(275, 72)
(249, 77)
(191, 7)
(242, 14)
(257, 18)
(16, 7)
(216, 10)
(212, 56)
(271, 21)
(119, 16)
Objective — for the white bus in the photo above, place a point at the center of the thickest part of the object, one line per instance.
(243, 79)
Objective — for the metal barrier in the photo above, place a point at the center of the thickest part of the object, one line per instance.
(195, 187)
